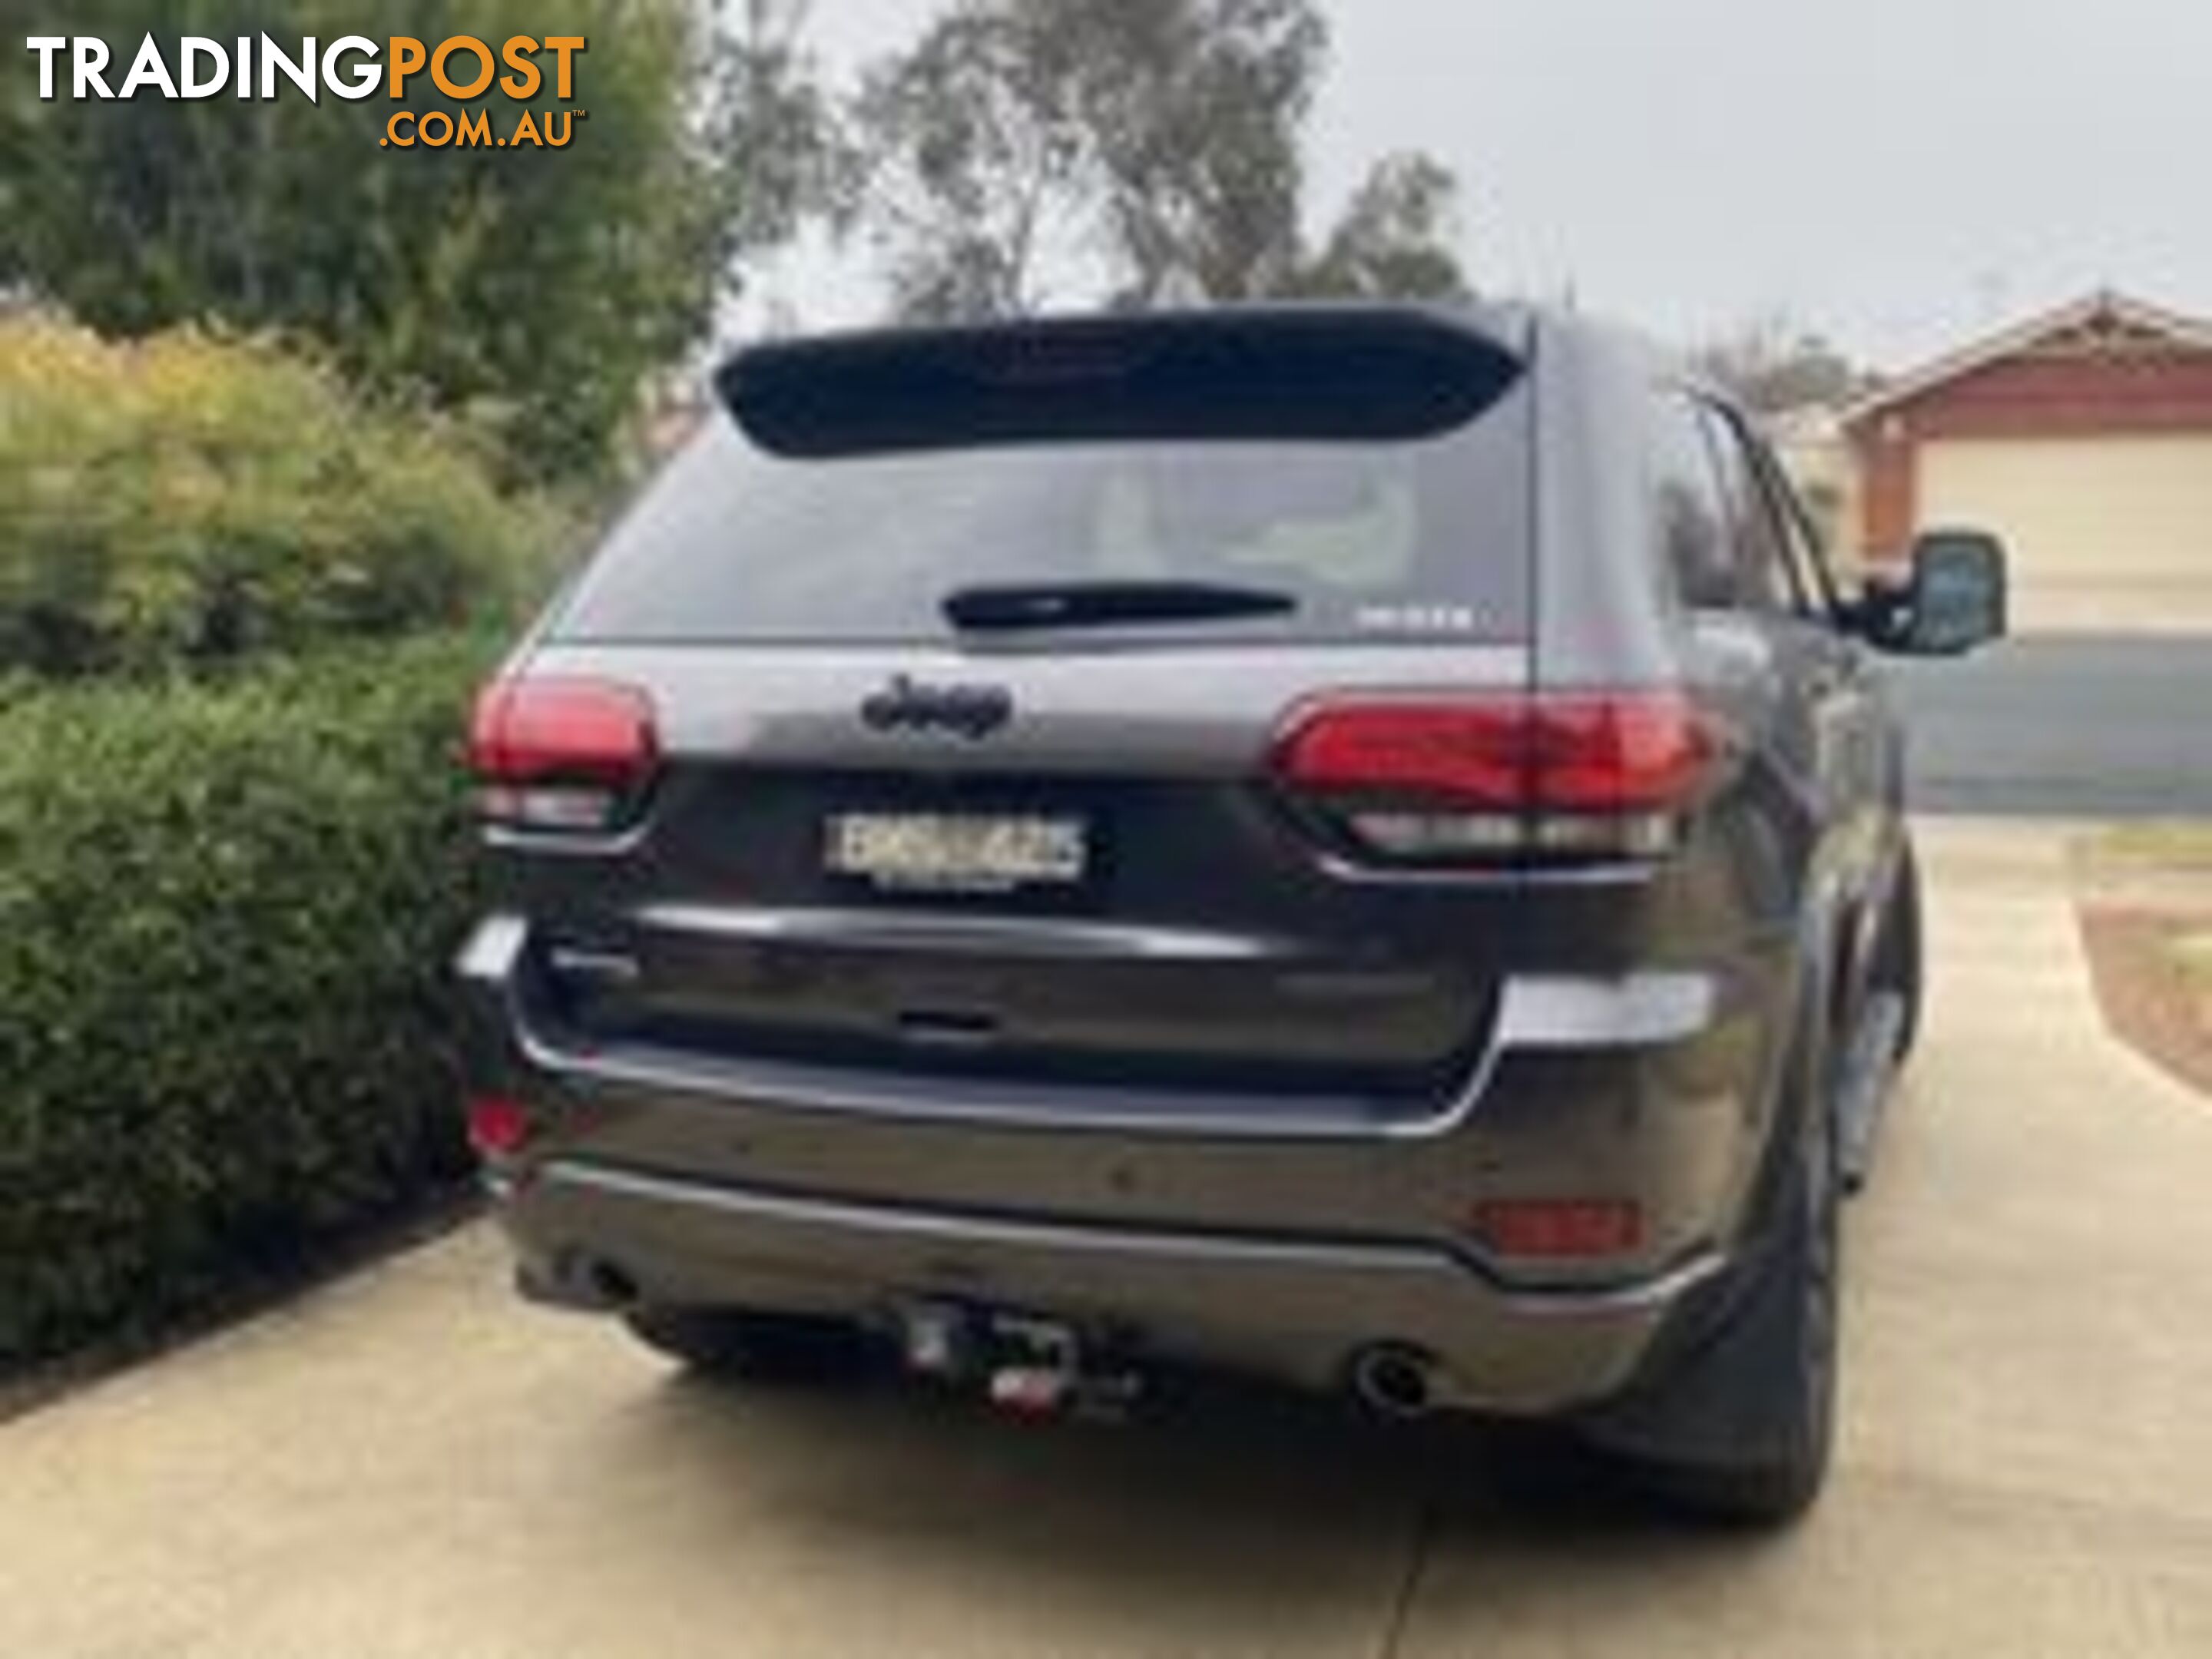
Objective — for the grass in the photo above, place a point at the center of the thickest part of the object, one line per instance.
(2190, 953)
(2146, 893)
(2182, 846)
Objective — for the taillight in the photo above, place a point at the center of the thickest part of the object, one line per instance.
(498, 1128)
(1445, 780)
(1560, 1229)
(561, 756)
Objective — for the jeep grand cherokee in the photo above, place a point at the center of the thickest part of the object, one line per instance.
(1361, 844)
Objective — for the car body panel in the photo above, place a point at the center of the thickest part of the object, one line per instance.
(1234, 1095)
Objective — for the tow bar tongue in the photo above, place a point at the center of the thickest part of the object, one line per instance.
(1026, 1366)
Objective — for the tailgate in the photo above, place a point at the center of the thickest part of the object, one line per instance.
(1184, 930)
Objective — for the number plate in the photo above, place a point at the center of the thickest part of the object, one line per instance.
(947, 853)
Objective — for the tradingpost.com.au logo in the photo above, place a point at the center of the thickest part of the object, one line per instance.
(353, 67)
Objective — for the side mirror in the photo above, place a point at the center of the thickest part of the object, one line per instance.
(1954, 601)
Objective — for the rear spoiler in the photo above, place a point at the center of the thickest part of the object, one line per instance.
(1318, 373)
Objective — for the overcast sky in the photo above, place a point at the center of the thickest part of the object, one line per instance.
(1897, 173)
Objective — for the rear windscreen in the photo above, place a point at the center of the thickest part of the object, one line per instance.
(1417, 537)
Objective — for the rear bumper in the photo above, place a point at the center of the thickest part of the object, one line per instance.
(1297, 1310)
(1265, 1238)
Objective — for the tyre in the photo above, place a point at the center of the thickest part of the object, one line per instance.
(754, 1346)
(1777, 1359)
(1741, 1430)
(1897, 967)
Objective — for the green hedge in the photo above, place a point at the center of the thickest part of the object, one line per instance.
(186, 501)
(226, 913)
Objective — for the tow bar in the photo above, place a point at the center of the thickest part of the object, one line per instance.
(1026, 1366)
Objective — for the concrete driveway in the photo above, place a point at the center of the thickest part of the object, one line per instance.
(413, 1465)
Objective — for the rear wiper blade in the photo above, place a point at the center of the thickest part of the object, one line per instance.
(1105, 603)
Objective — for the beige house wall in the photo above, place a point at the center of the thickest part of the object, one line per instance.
(2095, 526)
(1827, 477)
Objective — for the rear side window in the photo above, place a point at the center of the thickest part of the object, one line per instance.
(1766, 577)
(1423, 535)
(1697, 548)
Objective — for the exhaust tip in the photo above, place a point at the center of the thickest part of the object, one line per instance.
(1396, 1382)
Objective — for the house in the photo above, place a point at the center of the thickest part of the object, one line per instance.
(2083, 437)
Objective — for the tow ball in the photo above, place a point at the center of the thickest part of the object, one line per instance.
(1025, 1366)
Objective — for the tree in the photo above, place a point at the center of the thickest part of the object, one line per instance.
(533, 288)
(1198, 109)
(1775, 364)
(774, 128)
(1152, 149)
(977, 158)
(1395, 239)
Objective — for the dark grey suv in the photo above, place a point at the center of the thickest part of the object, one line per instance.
(1359, 844)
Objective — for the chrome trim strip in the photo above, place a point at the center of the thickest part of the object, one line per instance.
(987, 1102)
(1638, 1011)
(493, 955)
(1536, 1014)
(1037, 936)
(1643, 1296)
(605, 967)
(1608, 873)
(507, 838)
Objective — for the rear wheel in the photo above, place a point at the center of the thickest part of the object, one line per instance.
(1777, 1361)
(755, 1347)
(1897, 966)
(1743, 1429)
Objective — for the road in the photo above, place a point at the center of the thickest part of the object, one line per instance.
(411, 1464)
(2065, 727)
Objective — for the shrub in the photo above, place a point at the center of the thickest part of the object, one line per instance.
(225, 917)
(188, 500)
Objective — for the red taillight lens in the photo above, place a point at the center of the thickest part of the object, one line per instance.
(1428, 779)
(497, 1128)
(1473, 753)
(1560, 1229)
(561, 754)
(1617, 754)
